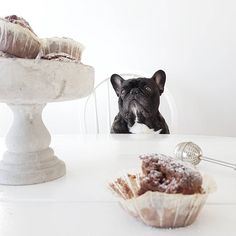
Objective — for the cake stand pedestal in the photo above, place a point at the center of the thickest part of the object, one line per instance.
(26, 86)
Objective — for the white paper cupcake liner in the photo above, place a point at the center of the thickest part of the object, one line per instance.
(160, 209)
(18, 41)
(62, 45)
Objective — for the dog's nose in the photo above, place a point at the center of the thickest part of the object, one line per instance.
(134, 91)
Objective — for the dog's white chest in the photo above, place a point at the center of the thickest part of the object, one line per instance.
(139, 128)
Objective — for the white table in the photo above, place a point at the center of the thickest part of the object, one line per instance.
(79, 204)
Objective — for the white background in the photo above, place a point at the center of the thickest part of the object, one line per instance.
(193, 41)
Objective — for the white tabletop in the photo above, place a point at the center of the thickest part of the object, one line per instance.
(80, 203)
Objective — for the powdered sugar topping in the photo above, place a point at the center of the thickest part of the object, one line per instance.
(166, 174)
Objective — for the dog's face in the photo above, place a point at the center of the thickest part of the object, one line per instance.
(139, 98)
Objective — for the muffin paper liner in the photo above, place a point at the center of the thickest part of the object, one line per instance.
(17, 40)
(160, 209)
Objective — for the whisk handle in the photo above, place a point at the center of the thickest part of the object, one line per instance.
(223, 163)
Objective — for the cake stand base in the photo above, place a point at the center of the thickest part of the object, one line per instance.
(29, 159)
(30, 168)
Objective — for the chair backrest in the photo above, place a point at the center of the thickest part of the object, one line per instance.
(101, 107)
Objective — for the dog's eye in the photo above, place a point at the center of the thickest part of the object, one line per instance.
(148, 89)
(123, 91)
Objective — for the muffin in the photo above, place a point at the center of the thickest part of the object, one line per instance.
(17, 38)
(61, 48)
(168, 193)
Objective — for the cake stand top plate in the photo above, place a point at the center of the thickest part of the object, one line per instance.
(28, 81)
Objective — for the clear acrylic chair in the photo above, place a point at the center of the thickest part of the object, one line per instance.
(101, 107)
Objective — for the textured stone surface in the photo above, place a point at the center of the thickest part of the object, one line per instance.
(25, 81)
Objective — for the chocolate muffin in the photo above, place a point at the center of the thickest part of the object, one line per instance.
(167, 194)
(17, 38)
(166, 174)
(62, 46)
(19, 21)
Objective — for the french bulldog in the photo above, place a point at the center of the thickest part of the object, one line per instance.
(139, 100)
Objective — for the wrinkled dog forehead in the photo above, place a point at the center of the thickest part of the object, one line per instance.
(137, 82)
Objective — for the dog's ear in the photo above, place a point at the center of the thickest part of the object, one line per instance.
(116, 82)
(160, 78)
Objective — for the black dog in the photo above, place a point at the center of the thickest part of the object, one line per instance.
(139, 100)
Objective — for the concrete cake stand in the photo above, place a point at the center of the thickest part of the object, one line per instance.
(26, 86)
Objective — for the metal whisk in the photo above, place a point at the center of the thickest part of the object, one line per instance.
(191, 152)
